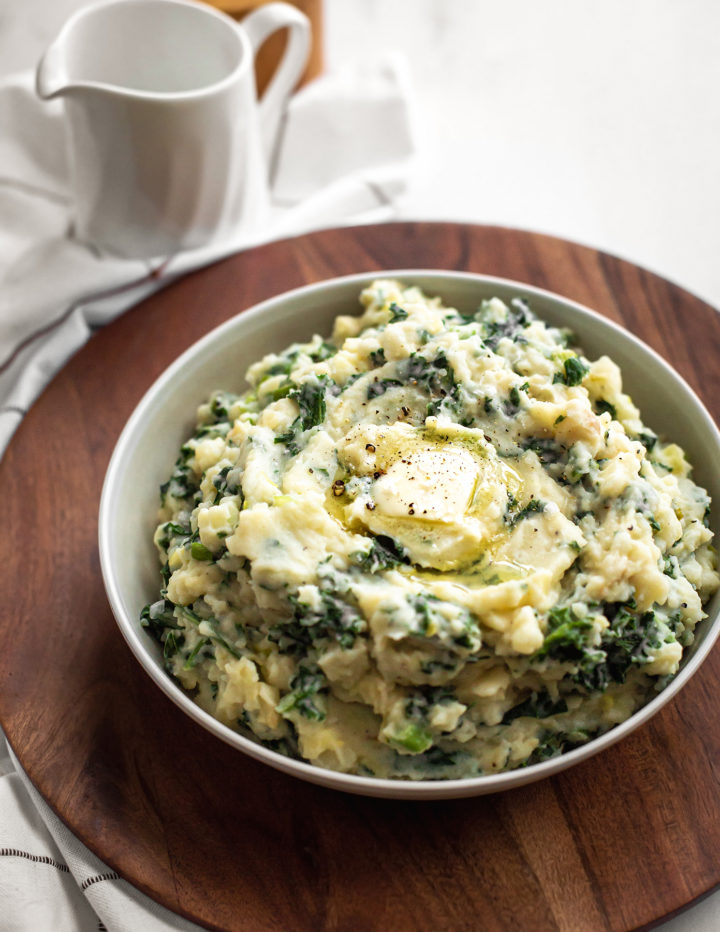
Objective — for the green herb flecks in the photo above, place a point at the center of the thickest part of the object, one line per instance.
(308, 686)
(413, 732)
(566, 637)
(384, 553)
(220, 405)
(336, 620)
(200, 552)
(310, 397)
(514, 515)
(573, 372)
(227, 483)
(379, 386)
(323, 352)
(412, 737)
(171, 532)
(158, 616)
(460, 630)
(602, 406)
(195, 655)
(629, 640)
(648, 439)
(436, 378)
(538, 705)
(183, 484)
(552, 744)
(493, 330)
(547, 449)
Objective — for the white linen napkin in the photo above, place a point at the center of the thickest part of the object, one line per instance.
(54, 292)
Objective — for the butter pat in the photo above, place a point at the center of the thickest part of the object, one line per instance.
(432, 484)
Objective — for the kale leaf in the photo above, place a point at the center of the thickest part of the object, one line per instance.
(170, 531)
(518, 317)
(566, 636)
(324, 351)
(335, 620)
(227, 482)
(512, 517)
(379, 386)
(552, 744)
(414, 734)
(310, 397)
(308, 684)
(158, 616)
(574, 371)
(384, 553)
(430, 622)
(397, 313)
(182, 484)
(629, 639)
(220, 405)
(435, 377)
(538, 705)
(547, 449)
(602, 406)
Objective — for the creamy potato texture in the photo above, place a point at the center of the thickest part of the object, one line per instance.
(433, 546)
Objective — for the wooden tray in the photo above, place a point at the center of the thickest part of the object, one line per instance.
(614, 843)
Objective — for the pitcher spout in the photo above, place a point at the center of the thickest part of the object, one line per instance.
(51, 79)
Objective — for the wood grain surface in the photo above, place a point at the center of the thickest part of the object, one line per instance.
(614, 843)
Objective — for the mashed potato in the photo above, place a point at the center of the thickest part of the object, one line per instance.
(434, 546)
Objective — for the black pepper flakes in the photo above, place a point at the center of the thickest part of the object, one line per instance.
(338, 487)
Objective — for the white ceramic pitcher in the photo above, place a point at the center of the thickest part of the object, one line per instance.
(169, 147)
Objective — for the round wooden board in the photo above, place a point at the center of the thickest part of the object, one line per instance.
(617, 842)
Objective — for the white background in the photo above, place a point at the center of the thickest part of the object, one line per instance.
(599, 122)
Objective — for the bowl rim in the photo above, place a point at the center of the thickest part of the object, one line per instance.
(355, 783)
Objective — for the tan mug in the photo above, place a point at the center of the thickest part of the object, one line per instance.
(169, 146)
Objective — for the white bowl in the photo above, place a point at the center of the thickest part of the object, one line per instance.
(164, 418)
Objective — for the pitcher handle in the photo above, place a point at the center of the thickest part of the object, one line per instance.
(260, 24)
